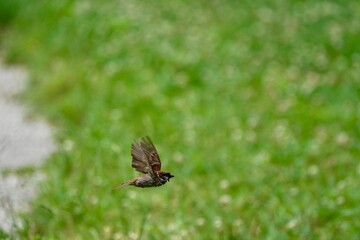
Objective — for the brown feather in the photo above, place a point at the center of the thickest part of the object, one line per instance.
(145, 158)
(151, 154)
(139, 159)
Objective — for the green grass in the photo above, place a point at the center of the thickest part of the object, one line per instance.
(254, 107)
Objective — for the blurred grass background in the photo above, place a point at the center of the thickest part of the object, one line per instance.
(253, 106)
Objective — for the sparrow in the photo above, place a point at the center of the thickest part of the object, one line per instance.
(145, 159)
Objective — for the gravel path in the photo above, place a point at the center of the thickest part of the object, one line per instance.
(24, 142)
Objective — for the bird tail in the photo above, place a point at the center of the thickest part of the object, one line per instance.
(124, 185)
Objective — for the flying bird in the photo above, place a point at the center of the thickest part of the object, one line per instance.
(145, 159)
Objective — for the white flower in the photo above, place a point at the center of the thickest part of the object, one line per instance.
(313, 170)
(292, 223)
(342, 138)
(218, 222)
(224, 184)
(225, 200)
(200, 221)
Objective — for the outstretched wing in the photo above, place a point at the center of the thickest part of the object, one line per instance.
(145, 158)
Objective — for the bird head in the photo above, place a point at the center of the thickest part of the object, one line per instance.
(165, 176)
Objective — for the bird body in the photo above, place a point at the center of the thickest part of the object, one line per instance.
(145, 159)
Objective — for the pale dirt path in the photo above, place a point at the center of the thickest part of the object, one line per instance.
(23, 142)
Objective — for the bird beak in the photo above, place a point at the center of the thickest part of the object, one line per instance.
(171, 176)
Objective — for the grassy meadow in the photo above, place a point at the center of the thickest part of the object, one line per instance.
(254, 106)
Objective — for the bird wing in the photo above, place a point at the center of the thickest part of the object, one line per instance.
(145, 158)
